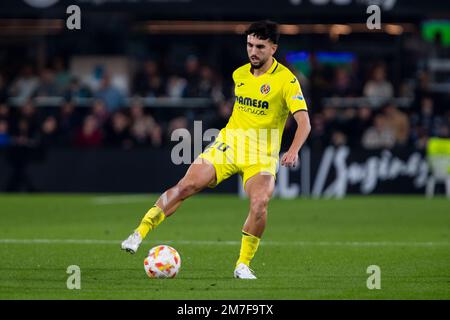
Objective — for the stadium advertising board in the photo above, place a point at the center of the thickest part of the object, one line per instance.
(337, 172)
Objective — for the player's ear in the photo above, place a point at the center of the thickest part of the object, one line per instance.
(274, 48)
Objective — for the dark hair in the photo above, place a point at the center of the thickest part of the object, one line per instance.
(264, 29)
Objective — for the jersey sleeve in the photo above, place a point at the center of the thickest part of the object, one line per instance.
(234, 76)
(293, 95)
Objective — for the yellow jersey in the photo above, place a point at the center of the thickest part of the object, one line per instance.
(262, 105)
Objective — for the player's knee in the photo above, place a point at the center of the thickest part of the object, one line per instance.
(258, 206)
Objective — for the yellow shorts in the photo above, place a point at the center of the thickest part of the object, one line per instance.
(226, 164)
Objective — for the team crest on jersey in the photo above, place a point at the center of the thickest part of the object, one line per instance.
(265, 88)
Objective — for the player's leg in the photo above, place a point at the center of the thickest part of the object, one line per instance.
(200, 174)
(259, 188)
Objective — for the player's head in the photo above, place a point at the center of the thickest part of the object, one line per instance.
(262, 42)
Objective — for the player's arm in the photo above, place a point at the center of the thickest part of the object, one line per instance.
(297, 106)
(290, 158)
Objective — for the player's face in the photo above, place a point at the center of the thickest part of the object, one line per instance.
(259, 51)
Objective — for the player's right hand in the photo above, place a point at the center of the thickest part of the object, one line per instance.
(289, 159)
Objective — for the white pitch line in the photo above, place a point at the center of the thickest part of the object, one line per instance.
(104, 200)
(233, 243)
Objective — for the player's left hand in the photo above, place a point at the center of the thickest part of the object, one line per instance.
(289, 159)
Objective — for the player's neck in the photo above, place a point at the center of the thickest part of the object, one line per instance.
(263, 69)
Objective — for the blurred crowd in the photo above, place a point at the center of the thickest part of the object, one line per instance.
(113, 117)
(110, 120)
(378, 121)
(387, 127)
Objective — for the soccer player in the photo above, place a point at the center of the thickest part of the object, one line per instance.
(266, 92)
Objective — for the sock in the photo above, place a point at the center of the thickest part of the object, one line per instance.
(152, 218)
(249, 246)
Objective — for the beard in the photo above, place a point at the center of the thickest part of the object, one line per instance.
(257, 65)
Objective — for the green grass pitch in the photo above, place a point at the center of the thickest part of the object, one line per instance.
(312, 249)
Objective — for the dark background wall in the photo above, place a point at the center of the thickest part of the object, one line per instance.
(332, 172)
(102, 170)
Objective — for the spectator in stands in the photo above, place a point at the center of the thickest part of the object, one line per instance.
(349, 125)
(426, 118)
(24, 133)
(100, 112)
(343, 83)
(348, 115)
(5, 138)
(377, 86)
(76, 90)
(420, 138)
(192, 75)
(90, 134)
(317, 138)
(50, 136)
(210, 85)
(111, 96)
(358, 125)
(422, 90)
(206, 82)
(118, 131)
(62, 76)
(67, 122)
(319, 84)
(331, 122)
(47, 86)
(379, 136)
(144, 129)
(149, 82)
(176, 86)
(25, 84)
(338, 139)
(399, 123)
(24, 143)
(29, 113)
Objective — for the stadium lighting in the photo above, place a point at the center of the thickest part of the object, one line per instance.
(12, 27)
(394, 29)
